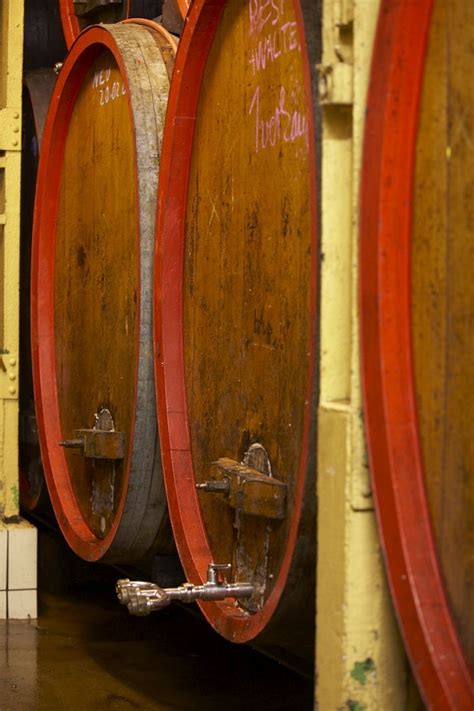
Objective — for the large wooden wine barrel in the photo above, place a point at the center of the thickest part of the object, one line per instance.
(235, 312)
(91, 293)
(37, 89)
(76, 15)
(417, 314)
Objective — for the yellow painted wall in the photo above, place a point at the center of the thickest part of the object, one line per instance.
(11, 59)
(360, 661)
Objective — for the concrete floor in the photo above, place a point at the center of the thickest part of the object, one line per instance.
(86, 653)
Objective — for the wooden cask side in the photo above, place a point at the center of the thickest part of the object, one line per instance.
(416, 325)
(235, 310)
(91, 295)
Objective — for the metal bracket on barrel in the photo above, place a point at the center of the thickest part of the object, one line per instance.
(100, 442)
(247, 490)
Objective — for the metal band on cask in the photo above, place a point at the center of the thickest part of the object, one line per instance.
(91, 293)
(76, 15)
(37, 91)
(235, 316)
(417, 317)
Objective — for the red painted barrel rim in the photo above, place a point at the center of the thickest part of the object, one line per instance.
(190, 535)
(71, 520)
(183, 6)
(69, 21)
(388, 379)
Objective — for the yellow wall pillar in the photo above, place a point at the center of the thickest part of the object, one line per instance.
(18, 539)
(360, 661)
(11, 64)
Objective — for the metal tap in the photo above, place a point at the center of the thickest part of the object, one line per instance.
(141, 598)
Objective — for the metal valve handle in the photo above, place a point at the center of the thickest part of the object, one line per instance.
(141, 598)
(213, 572)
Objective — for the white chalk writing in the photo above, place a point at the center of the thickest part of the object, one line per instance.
(101, 77)
(107, 91)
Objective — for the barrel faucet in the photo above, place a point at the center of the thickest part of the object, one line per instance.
(141, 598)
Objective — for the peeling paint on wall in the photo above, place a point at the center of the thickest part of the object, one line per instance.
(15, 494)
(355, 706)
(360, 670)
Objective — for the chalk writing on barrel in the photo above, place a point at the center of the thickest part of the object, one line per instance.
(107, 92)
(283, 123)
(262, 12)
(101, 77)
(272, 46)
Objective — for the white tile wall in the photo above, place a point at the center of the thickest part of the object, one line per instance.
(22, 604)
(18, 571)
(22, 543)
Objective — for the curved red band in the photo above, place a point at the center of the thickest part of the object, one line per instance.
(391, 416)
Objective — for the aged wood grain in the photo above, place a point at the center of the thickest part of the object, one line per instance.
(96, 283)
(247, 295)
(103, 238)
(443, 299)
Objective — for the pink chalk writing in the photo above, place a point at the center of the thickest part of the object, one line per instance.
(272, 46)
(261, 12)
(283, 123)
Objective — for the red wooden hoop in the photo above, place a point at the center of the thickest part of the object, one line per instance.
(385, 311)
(190, 535)
(70, 518)
(183, 6)
(69, 21)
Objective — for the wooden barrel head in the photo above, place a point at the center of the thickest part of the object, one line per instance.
(417, 313)
(37, 89)
(76, 15)
(443, 299)
(235, 304)
(91, 294)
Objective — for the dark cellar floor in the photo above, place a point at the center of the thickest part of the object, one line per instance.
(86, 653)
